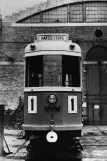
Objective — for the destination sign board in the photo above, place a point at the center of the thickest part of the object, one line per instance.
(52, 37)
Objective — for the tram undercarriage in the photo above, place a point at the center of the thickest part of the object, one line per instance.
(65, 147)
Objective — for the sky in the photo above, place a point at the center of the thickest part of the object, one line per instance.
(7, 7)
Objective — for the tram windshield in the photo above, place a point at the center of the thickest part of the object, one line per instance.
(52, 70)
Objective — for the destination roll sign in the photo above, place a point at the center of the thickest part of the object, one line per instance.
(52, 37)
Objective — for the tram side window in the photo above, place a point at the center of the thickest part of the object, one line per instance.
(70, 71)
(34, 71)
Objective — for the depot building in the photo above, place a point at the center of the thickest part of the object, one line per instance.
(85, 23)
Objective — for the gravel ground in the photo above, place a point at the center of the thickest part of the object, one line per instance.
(94, 141)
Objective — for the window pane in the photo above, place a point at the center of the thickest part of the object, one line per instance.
(96, 12)
(55, 15)
(32, 19)
(76, 13)
(34, 71)
(71, 71)
(52, 70)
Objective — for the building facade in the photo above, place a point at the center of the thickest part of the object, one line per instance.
(85, 21)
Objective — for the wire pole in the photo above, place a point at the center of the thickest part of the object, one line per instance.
(1, 129)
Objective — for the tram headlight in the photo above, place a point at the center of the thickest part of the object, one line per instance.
(72, 47)
(52, 98)
(32, 47)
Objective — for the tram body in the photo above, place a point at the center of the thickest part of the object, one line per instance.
(53, 92)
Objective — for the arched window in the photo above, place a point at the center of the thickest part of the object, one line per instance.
(97, 53)
(78, 12)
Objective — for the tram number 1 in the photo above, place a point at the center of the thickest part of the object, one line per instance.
(72, 104)
(32, 104)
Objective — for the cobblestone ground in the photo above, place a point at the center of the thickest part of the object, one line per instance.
(94, 143)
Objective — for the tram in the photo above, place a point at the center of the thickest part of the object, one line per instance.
(53, 94)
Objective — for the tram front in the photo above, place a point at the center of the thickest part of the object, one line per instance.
(53, 90)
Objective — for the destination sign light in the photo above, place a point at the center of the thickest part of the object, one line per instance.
(52, 37)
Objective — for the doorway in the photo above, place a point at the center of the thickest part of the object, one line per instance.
(96, 64)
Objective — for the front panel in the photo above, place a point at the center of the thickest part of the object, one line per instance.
(69, 105)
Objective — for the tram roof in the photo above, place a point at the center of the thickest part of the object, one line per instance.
(53, 48)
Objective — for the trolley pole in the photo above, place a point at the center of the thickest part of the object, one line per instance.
(1, 128)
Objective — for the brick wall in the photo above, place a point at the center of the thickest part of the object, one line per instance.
(11, 84)
(12, 43)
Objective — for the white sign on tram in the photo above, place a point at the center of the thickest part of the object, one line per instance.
(52, 37)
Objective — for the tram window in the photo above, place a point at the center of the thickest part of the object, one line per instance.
(70, 71)
(34, 71)
(52, 70)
